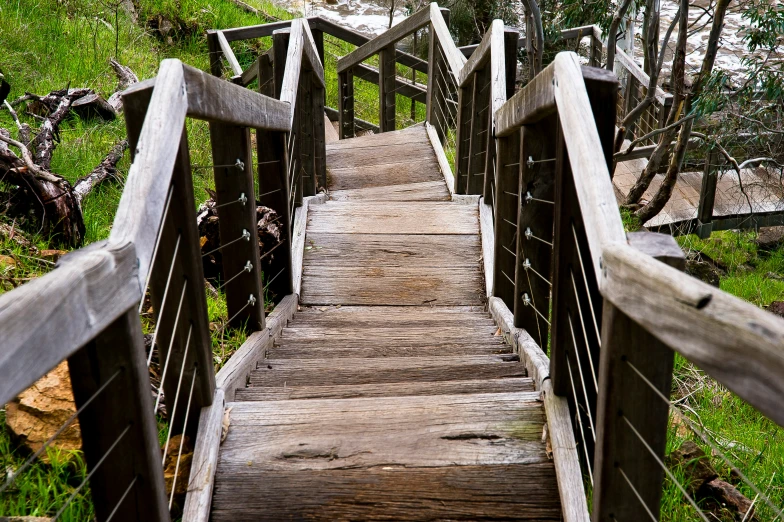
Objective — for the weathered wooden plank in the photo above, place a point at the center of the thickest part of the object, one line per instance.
(380, 154)
(401, 347)
(376, 250)
(735, 342)
(118, 429)
(443, 162)
(423, 191)
(346, 104)
(395, 389)
(530, 104)
(414, 134)
(386, 89)
(418, 217)
(402, 171)
(228, 54)
(368, 316)
(310, 372)
(298, 240)
(213, 99)
(439, 430)
(96, 283)
(143, 200)
(454, 58)
(599, 208)
(391, 285)
(201, 480)
(409, 25)
(464, 492)
(488, 244)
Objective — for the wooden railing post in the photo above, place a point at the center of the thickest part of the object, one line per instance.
(123, 414)
(480, 121)
(346, 104)
(305, 120)
(215, 54)
(539, 160)
(708, 193)
(386, 88)
(505, 217)
(628, 404)
(434, 98)
(274, 190)
(465, 104)
(319, 99)
(183, 276)
(236, 201)
(318, 39)
(280, 48)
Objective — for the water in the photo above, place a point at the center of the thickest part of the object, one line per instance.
(369, 18)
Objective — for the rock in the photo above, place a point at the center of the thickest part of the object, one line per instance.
(770, 238)
(695, 464)
(704, 271)
(776, 307)
(171, 470)
(38, 412)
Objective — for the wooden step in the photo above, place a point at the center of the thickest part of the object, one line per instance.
(441, 457)
(395, 389)
(399, 171)
(401, 316)
(352, 370)
(421, 191)
(300, 350)
(405, 285)
(393, 217)
(374, 250)
(391, 493)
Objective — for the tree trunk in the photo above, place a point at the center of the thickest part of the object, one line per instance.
(678, 75)
(612, 33)
(676, 161)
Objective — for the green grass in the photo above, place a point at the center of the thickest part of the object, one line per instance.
(43, 488)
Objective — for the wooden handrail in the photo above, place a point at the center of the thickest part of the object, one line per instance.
(735, 342)
(454, 57)
(411, 24)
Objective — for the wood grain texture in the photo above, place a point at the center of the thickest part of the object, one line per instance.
(198, 499)
(310, 372)
(95, 283)
(395, 389)
(440, 430)
(400, 171)
(422, 191)
(402, 316)
(392, 217)
(735, 342)
(228, 54)
(391, 286)
(488, 244)
(401, 250)
(453, 493)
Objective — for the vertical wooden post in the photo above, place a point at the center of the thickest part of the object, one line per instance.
(183, 272)
(346, 104)
(465, 103)
(118, 354)
(235, 195)
(630, 98)
(319, 94)
(318, 39)
(664, 110)
(625, 399)
(479, 131)
(274, 191)
(433, 94)
(536, 191)
(280, 49)
(575, 301)
(511, 36)
(216, 68)
(505, 217)
(307, 149)
(386, 88)
(708, 194)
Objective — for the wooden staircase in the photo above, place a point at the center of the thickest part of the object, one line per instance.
(390, 396)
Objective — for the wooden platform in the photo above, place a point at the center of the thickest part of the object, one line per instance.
(391, 395)
(764, 188)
